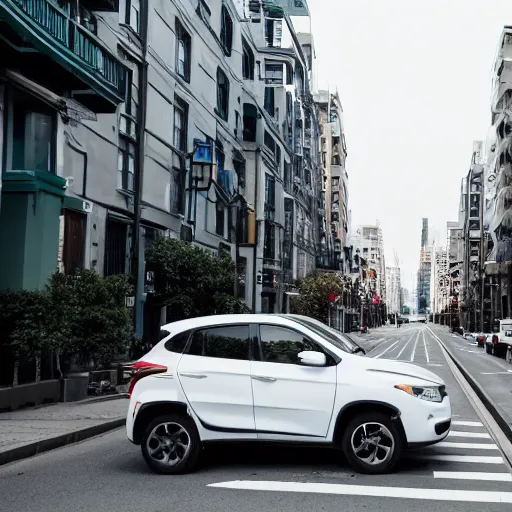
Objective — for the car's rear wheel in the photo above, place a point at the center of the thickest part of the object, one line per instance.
(372, 443)
(171, 444)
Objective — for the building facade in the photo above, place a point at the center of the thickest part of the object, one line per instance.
(122, 121)
(440, 281)
(394, 295)
(424, 271)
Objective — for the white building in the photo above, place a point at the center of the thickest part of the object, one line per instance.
(393, 290)
(439, 281)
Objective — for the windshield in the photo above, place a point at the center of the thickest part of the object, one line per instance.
(339, 340)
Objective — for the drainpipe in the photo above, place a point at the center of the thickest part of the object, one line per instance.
(482, 253)
(257, 155)
(138, 246)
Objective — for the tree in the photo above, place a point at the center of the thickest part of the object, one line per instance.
(192, 281)
(315, 292)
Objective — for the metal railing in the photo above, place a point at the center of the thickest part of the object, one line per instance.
(58, 23)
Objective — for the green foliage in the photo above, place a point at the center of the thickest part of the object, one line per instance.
(81, 316)
(314, 293)
(192, 281)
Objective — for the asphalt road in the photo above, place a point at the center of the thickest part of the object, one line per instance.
(464, 474)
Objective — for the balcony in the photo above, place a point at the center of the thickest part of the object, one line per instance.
(54, 33)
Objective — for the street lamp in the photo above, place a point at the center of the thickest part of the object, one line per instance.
(201, 175)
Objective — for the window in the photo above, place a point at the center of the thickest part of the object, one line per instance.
(282, 345)
(183, 51)
(219, 217)
(222, 94)
(133, 14)
(180, 124)
(177, 343)
(269, 247)
(128, 136)
(273, 32)
(250, 122)
(73, 252)
(269, 102)
(247, 61)
(177, 187)
(225, 342)
(116, 250)
(289, 74)
(273, 72)
(270, 190)
(226, 31)
(33, 135)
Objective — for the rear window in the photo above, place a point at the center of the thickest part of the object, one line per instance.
(177, 343)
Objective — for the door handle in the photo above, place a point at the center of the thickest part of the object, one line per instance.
(194, 375)
(263, 379)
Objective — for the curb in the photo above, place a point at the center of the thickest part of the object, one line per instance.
(29, 450)
(484, 397)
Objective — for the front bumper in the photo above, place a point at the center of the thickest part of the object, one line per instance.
(427, 422)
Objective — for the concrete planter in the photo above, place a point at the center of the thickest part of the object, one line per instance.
(29, 395)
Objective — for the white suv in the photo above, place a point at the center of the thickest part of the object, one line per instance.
(280, 378)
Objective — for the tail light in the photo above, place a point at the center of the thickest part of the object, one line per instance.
(142, 369)
(495, 340)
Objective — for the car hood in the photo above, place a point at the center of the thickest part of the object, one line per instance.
(399, 369)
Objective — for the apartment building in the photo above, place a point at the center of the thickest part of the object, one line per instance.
(193, 119)
(394, 297)
(334, 252)
(455, 249)
(440, 281)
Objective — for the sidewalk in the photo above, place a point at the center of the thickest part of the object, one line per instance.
(27, 432)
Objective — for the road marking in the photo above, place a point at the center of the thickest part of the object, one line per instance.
(496, 373)
(471, 446)
(476, 459)
(367, 490)
(474, 435)
(387, 350)
(414, 348)
(473, 475)
(425, 345)
(404, 347)
(467, 423)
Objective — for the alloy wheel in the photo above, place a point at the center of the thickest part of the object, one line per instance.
(372, 443)
(169, 444)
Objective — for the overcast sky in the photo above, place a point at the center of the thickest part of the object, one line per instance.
(415, 82)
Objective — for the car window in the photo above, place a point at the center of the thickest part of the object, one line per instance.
(282, 345)
(225, 342)
(338, 340)
(177, 343)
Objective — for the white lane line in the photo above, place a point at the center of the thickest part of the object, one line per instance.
(476, 459)
(470, 446)
(461, 423)
(496, 373)
(387, 350)
(474, 475)
(405, 346)
(367, 490)
(474, 435)
(415, 344)
(425, 345)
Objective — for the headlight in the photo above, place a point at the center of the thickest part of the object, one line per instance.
(430, 394)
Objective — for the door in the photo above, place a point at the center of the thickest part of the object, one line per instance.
(290, 398)
(74, 241)
(215, 376)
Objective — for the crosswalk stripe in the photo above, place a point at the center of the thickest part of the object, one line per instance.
(477, 459)
(473, 475)
(459, 423)
(367, 490)
(471, 446)
(475, 435)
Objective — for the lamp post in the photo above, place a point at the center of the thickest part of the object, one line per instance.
(201, 174)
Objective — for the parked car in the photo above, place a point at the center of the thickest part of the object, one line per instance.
(278, 378)
(500, 344)
(482, 337)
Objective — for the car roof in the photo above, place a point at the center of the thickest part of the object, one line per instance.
(206, 321)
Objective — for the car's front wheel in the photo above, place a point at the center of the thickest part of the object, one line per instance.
(171, 444)
(372, 443)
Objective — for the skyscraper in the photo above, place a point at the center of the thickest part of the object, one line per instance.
(424, 271)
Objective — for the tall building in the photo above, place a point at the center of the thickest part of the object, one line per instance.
(440, 281)
(424, 271)
(202, 128)
(394, 293)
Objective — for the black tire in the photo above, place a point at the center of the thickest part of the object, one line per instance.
(190, 457)
(354, 428)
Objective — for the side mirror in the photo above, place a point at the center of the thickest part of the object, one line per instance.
(310, 358)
